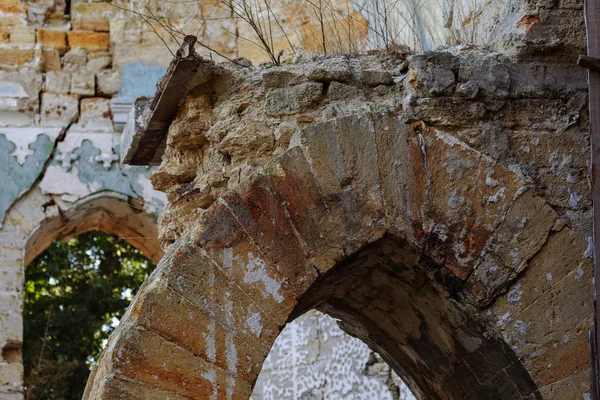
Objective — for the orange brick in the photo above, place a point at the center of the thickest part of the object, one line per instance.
(53, 39)
(15, 56)
(51, 60)
(89, 40)
(12, 6)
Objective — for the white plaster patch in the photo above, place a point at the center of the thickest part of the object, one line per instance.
(496, 197)
(253, 322)
(515, 294)
(256, 272)
(504, 320)
(209, 337)
(23, 137)
(231, 354)
(579, 273)
(522, 327)
(59, 181)
(488, 178)
(574, 200)
(228, 260)
(589, 252)
(211, 376)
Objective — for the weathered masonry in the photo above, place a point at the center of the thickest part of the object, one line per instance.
(438, 207)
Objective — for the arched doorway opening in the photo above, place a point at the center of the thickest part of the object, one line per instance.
(31, 224)
(75, 292)
(405, 307)
(314, 359)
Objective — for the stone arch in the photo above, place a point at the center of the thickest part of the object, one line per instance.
(108, 212)
(368, 193)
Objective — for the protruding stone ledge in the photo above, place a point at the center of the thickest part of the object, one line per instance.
(144, 138)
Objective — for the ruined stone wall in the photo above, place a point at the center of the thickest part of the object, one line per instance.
(471, 114)
(524, 109)
(69, 72)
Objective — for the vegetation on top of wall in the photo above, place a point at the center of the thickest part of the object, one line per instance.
(281, 28)
(75, 293)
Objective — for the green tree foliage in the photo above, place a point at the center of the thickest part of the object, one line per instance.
(75, 292)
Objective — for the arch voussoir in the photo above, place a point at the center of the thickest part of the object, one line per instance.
(117, 386)
(522, 233)
(347, 175)
(225, 241)
(294, 183)
(181, 319)
(147, 357)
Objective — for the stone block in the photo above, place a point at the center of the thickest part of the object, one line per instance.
(434, 73)
(59, 106)
(53, 39)
(156, 361)
(15, 56)
(180, 321)
(156, 55)
(291, 100)
(51, 60)
(57, 81)
(108, 82)
(98, 61)
(89, 40)
(91, 16)
(83, 83)
(262, 216)
(95, 108)
(74, 60)
(254, 138)
(375, 78)
(12, 376)
(228, 245)
(278, 79)
(524, 231)
(340, 91)
(12, 6)
(23, 35)
(331, 75)
(294, 183)
(117, 387)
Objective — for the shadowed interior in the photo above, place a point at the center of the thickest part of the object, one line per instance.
(402, 305)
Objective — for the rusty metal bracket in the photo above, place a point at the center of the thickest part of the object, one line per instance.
(591, 62)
